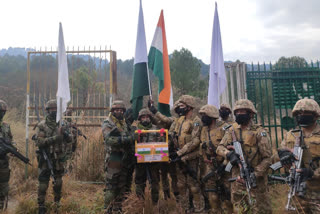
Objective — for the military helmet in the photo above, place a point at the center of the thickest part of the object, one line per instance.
(210, 111)
(244, 104)
(306, 105)
(144, 112)
(3, 106)
(51, 104)
(118, 104)
(225, 105)
(188, 100)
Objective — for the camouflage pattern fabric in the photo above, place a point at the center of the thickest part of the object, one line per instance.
(257, 149)
(210, 111)
(306, 105)
(188, 100)
(244, 104)
(5, 132)
(119, 161)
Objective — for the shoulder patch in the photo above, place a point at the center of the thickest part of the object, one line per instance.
(196, 124)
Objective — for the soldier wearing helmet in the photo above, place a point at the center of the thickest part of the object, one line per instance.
(211, 165)
(119, 160)
(143, 170)
(187, 140)
(306, 111)
(53, 140)
(5, 132)
(225, 113)
(257, 151)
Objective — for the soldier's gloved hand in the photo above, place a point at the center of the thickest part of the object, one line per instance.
(233, 157)
(306, 173)
(151, 107)
(286, 157)
(173, 155)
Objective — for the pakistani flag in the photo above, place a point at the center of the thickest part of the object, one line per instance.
(140, 79)
(159, 63)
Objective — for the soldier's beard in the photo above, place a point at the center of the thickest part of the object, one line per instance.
(53, 115)
(145, 123)
(119, 116)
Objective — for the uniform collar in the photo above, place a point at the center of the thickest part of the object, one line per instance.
(238, 126)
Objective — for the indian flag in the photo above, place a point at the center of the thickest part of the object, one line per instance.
(159, 63)
(140, 80)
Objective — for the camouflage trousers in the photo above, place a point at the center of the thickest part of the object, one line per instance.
(217, 191)
(145, 172)
(44, 178)
(4, 186)
(188, 183)
(259, 196)
(166, 169)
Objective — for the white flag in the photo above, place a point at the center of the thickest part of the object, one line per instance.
(217, 79)
(63, 93)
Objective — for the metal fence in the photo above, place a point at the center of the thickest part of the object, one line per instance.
(93, 84)
(275, 90)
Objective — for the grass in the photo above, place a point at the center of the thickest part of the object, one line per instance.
(87, 165)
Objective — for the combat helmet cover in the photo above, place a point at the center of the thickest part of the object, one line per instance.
(118, 104)
(225, 105)
(51, 104)
(3, 106)
(188, 100)
(144, 112)
(244, 104)
(306, 105)
(210, 111)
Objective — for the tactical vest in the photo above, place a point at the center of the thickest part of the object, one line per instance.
(183, 129)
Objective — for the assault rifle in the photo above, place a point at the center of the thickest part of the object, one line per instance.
(246, 172)
(7, 147)
(294, 179)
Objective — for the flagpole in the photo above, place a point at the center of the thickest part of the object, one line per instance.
(150, 91)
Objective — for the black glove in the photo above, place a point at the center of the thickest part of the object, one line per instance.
(233, 157)
(286, 157)
(306, 173)
(173, 155)
(153, 109)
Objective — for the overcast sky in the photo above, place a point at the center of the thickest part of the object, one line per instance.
(252, 30)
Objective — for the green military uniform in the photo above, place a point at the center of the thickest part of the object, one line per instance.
(5, 132)
(310, 203)
(257, 151)
(212, 165)
(54, 143)
(143, 170)
(119, 160)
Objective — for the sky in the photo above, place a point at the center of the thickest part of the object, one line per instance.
(251, 30)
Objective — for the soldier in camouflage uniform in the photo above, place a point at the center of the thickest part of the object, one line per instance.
(225, 113)
(306, 112)
(53, 140)
(5, 132)
(256, 147)
(162, 121)
(119, 161)
(187, 139)
(213, 164)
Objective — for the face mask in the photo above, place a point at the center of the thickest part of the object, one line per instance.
(243, 119)
(305, 120)
(118, 115)
(145, 122)
(2, 113)
(206, 120)
(53, 114)
(224, 113)
(183, 111)
(177, 110)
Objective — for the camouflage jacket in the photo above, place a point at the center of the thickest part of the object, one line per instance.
(162, 121)
(149, 137)
(256, 147)
(117, 138)
(188, 133)
(311, 152)
(215, 135)
(5, 132)
(55, 144)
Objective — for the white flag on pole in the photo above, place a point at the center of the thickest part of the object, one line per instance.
(217, 79)
(63, 93)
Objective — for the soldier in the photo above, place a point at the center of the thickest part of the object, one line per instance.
(145, 171)
(187, 131)
(256, 147)
(213, 175)
(225, 113)
(51, 140)
(5, 132)
(119, 161)
(306, 112)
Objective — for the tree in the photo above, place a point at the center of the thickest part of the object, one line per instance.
(185, 70)
(290, 62)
